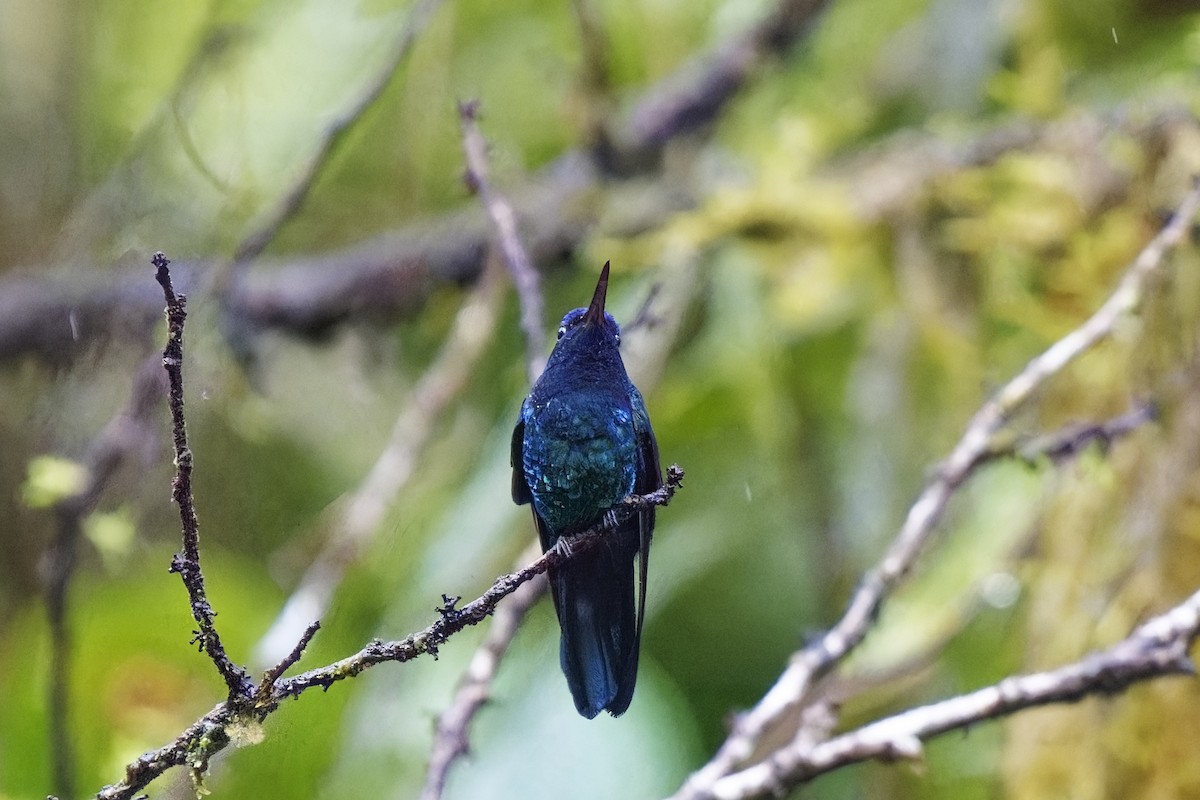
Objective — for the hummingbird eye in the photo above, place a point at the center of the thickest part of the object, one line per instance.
(561, 331)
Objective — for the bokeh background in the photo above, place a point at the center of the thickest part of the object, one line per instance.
(889, 218)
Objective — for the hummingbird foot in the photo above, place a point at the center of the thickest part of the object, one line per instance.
(563, 547)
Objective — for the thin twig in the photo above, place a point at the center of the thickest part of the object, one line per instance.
(525, 277)
(805, 667)
(257, 240)
(271, 677)
(187, 563)
(1073, 439)
(1157, 648)
(645, 316)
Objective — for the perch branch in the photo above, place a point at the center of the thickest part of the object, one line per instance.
(453, 620)
(805, 667)
(211, 733)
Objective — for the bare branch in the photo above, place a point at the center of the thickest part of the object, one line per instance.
(645, 316)
(695, 94)
(792, 687)
(263, 695)
(474, 688)
(504, 219)
(292, 200)
(1156, 648)
(187, 563)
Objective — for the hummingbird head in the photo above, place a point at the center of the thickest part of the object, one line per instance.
(593, 318)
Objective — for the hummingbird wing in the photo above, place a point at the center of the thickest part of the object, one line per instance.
(521, 493)
(648, 478)
(520, 485)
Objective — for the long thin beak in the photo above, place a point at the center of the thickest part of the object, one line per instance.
(595, 312)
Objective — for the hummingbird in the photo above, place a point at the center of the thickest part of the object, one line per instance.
(582, 444)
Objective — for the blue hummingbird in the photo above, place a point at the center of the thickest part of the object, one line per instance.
(583, 443)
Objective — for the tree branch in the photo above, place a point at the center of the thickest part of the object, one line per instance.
(1155, 649)
(504, 219)
(453, 619)
(187, 563)
(792, 688)
(450, 739)
(291, 201)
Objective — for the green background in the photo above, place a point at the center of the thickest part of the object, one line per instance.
(880, 229)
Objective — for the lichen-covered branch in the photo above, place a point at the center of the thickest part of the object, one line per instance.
(215, 731)
(454, 619)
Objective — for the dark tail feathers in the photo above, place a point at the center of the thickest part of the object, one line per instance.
(594, 599)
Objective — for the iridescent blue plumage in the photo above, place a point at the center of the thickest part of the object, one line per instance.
(583, 443)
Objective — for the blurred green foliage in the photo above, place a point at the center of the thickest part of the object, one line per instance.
(860, 258)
